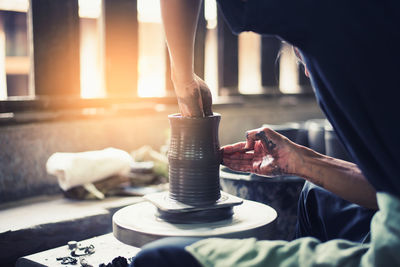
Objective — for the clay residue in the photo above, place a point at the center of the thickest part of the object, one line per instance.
(268, 143)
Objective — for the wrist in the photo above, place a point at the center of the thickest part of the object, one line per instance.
(312, 166)
(181, 78)
(303, 158)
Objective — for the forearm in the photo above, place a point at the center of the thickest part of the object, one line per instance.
(180, 21)
(337, 176)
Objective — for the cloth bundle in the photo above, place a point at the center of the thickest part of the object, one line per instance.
(85, 168)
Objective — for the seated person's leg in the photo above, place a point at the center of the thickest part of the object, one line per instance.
(323, 215)
(166, 252)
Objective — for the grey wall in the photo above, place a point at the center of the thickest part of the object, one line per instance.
(25, 148)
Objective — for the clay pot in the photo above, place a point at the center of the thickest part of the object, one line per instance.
(194, 157)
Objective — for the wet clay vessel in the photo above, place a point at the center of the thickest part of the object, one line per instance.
(194, 157)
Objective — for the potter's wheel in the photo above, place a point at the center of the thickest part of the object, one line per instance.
(138, 224)
(174, 211)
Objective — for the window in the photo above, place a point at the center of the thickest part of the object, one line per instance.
(115, 49)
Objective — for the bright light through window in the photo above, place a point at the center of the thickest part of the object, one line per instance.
(3, 85)
(249, 63)
(152, 48)
(92, 84)
(289, 79)
(149, 11)
(14, 5)
(89, 8)
(152, 53)
(210, 13)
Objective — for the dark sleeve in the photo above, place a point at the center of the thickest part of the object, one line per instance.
(287, 19)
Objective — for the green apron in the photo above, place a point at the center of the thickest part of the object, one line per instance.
(383, 249)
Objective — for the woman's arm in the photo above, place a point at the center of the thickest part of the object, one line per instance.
(267, 152)
(180, 21)
(337, 176)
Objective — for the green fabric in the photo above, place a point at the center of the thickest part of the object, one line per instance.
(383, 249)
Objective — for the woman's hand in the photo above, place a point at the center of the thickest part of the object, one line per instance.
(265, 152)
(194, 97)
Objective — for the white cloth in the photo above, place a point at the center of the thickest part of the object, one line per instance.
(74, 169)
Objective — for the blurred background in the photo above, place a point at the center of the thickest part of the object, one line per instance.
(90, 74)
(152, 56)
(84, 75)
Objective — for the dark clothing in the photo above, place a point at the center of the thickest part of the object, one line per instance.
(166, 252)
(351, 51)
(323, 215)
